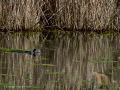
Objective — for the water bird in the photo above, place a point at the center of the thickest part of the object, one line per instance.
(34, 52)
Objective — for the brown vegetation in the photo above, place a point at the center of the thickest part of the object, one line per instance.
(60, 14)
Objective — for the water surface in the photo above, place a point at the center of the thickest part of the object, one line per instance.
(68, 61)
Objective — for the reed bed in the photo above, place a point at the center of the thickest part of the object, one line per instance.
(61, 14)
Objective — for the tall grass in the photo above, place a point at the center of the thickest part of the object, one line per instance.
(62, 14)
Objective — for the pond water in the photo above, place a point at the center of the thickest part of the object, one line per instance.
(67, 61)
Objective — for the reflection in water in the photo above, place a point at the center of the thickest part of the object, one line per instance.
(68, 61)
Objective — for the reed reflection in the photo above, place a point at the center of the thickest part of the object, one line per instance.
(68, 61)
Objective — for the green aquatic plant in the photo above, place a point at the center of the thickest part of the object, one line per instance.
(77, 61)
(16, 70)
(11, 31)
(76, 84)
(36, 87)
(9, 52)
(2, 48)
(26, 63)
(3, 62)
(35, 64)
(44, 59)
(102, 61)
(35, 59)
(91, 81)
(28, 79)
(6, 68)
(55, 73)
(21, 49)
(73, 78)
(57, 86)
(28, 33)
(4, 74)
(108, 52)
(19, 33)
(106, 57)
(27, 72)
(85, 81)
(3, 84)
(114, 68)
(47, 65)
(54, 31)
(13, 75)
(7, 75)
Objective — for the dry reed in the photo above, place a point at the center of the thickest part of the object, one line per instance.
(98, 78)
(102, 78)
(71, 14)
(105, 78)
